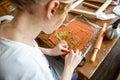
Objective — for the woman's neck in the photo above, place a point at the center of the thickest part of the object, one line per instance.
(22, 28)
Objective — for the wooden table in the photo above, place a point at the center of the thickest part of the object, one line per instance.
(88, 71)
(5, 7)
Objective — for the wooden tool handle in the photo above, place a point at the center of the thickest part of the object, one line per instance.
(98, 43)
(100, 1)
(94, 55)
(91, 5)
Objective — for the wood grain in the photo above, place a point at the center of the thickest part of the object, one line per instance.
(110, 67)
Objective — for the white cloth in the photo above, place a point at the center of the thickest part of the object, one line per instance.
(19, 61)
(116, 10)
(104, 16)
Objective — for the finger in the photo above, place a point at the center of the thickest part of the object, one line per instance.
(77, 51)
(72, 55)
(65, 50)
(64, 53)
(72, 52)
(64, 45)
(80, 53)
(60, 46)
(63, 42)
(80, 56)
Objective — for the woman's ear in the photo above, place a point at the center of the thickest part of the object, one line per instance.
(52, 8)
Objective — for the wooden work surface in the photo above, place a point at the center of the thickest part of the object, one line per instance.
(89, 69)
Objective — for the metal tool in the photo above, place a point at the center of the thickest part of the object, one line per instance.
(83, 61)
(113, 30)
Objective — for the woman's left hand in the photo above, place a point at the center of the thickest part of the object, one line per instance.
(61, 48)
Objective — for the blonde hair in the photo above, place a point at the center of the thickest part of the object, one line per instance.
(29, 5)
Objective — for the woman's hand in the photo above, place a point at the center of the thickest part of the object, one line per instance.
(61, 48)
(71, 61)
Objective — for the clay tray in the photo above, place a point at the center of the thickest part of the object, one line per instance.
(77, 33)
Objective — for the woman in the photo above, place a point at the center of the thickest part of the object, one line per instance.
(20, 57)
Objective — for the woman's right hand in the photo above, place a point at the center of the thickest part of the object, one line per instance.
(72, 59)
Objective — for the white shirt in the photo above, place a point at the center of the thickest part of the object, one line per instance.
(19, 61)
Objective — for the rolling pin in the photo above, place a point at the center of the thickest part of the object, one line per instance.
(98, 42)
